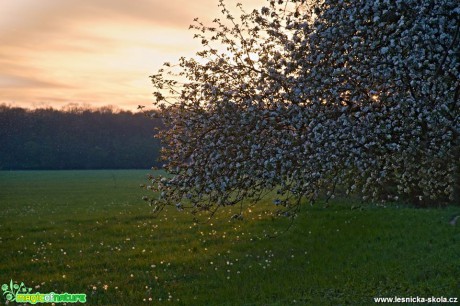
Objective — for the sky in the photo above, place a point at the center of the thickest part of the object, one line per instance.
(94, 52)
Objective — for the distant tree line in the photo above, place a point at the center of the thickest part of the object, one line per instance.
(76, 138)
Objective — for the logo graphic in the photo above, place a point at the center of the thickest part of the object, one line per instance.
(11, 291)
(21, 294)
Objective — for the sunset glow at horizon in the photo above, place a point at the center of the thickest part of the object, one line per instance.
(96, 53)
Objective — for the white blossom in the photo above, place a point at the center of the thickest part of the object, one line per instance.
(361, 94)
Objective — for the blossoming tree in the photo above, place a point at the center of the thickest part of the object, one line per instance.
(305, 98)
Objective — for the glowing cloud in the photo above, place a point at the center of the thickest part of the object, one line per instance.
(95, 52)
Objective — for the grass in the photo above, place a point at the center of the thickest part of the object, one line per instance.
(90, 232)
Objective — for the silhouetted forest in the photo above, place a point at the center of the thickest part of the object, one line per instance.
(76, 138)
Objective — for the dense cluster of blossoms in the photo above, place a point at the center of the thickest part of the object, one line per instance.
(307, 98)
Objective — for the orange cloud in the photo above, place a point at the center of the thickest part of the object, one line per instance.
(95, 52)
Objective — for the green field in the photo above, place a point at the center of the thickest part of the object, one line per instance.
(90, 232)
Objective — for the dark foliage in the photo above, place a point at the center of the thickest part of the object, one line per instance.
(76, 138)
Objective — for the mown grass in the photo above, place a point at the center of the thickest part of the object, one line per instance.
(90, 232)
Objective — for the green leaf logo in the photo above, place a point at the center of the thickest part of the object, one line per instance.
(13, 289)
